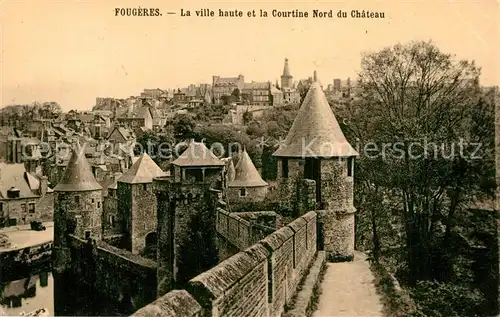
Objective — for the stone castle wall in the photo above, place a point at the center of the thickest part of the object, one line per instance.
(112, 221)
(113, 273)
(186, 232)
(143, 215)
(66, 220)
(258, 281)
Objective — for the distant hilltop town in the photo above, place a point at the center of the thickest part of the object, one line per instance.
(34, 139)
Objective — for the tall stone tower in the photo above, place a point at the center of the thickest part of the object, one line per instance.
(316, 149)
(137, 202)
(186, 216)
(78, 206)
(286, 78)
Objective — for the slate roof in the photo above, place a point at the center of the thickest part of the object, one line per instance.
(15, 176)
(315, 131)
(197, 154)
(256, 85)
(225, 81)
(231, 171)
(142, 171)
(246, 173)
(137, 112)
(78, 174)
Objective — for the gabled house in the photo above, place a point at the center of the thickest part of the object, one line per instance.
(24, 197)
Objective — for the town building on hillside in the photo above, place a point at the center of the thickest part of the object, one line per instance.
(24, 197)
(180, 96)
(21, 149)
(155, 93)
(107, 103)
(135, 117)
(224, 86)
(257, 93)
(122, 139)
(277, 96)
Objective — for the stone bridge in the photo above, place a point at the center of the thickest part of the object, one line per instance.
(272, 275)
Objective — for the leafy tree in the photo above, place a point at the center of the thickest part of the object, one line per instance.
(255, 130)
(183, 127)
(443, 300)
(414, 96)
(247, 117)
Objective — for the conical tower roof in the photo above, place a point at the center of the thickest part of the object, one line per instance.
(286, 70)
(197, 154)
(315, 131)
(142, 171)
(78, 174)
(231, 171)
(246, 173)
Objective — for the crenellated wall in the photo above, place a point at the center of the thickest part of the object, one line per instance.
(258, 281)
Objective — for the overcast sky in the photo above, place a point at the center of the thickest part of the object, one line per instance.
(73, 51)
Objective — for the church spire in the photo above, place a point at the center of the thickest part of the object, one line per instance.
(286, 70)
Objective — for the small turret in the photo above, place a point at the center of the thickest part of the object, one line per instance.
(247, 184)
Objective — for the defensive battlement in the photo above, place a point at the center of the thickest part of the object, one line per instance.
(258, 281)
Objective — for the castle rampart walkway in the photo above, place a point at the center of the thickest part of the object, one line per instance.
(347, 290)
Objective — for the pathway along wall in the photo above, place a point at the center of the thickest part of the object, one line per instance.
(258, 281)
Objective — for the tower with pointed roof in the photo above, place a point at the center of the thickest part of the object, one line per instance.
(137, 204)
(286, 77)
(186, 216)
(78, 205)
(247, 184)
(316, 149)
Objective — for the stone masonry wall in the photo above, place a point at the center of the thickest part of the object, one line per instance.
(338, 215)
(113, 273)
(258, 281)
(253, 194)
(44, 209)
(143, 215)
(110, 213)
(234, 228)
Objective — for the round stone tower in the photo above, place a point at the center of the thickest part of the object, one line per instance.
(78, 206)
(286, 77)
(316, 149)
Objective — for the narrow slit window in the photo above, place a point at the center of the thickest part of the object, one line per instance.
(243, 192)
(350, 166)
(284, 168)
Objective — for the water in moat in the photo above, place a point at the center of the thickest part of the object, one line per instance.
(57, 294)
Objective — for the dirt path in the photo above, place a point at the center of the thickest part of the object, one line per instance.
(348, 290)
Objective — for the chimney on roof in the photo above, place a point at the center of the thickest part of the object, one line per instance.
(44, 181)
(315, 76)
(130, 104)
